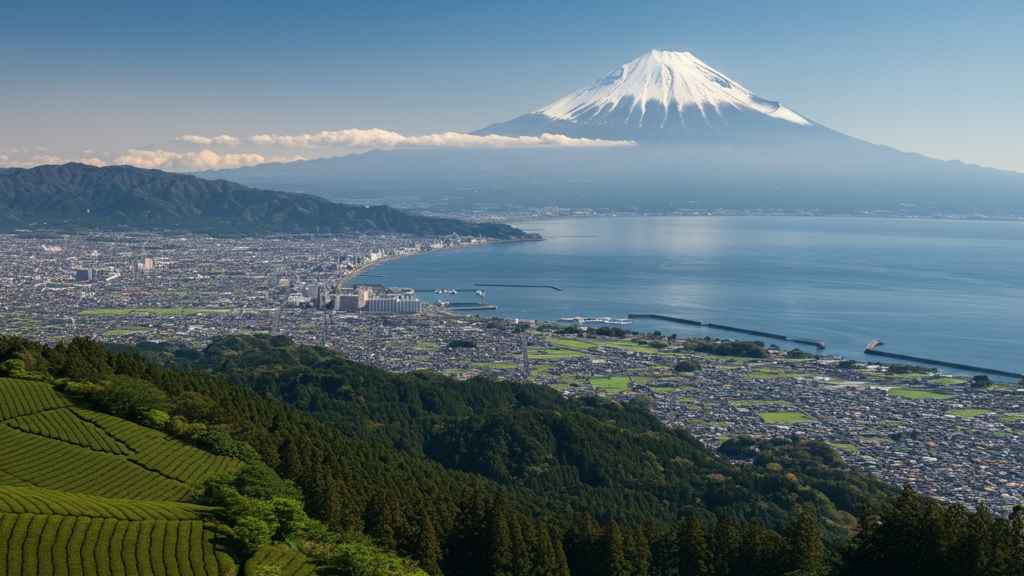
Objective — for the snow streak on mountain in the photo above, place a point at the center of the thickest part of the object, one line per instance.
(667, 97)
(666, 83)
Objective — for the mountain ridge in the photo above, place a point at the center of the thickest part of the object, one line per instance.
(76, 196)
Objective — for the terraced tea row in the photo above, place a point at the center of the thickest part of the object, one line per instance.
(48, 443)
(34, 500)
(66, 425)
(286, 561)
(157, 451)
(57, 465)
(22, 397)
(53, 544)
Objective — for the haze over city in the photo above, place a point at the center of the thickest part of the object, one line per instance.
(190, 86)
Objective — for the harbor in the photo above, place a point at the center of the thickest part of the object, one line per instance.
(873, 352)
(816, 343)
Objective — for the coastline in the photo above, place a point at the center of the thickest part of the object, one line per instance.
(834, 262)
(527, 216)
(370, 266)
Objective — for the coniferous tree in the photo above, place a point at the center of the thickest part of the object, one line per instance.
(581, 546)
(725, 547)
(638, 553)
(383, 521)
(497, 540)
(760, 551)
(692, 556)
(806, 554)
(422, 544)
(611, 552)
(548, 556)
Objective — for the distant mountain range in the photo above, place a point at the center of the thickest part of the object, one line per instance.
(76, 197)
(703, 143)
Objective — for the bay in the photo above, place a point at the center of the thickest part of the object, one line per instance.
(945, 289)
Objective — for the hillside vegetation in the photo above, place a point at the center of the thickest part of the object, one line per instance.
(87, 493)
(497, 477)
(74, 197)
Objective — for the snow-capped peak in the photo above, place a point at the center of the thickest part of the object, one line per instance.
(669, 81)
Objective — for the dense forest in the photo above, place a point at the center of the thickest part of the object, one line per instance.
(495, 477)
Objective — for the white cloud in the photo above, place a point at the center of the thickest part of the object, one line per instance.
(222, 139)
(92, 162)
(47, 159)
(31, 161)
(377, 138)
(203, 160)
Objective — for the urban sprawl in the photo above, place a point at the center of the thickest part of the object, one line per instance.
(935, 431)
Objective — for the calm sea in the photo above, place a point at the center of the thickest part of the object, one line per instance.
(949, 290)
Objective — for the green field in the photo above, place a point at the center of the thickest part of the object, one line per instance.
(845, 447)
(128, 330)
(613, 385)
(494, 365)
(766, 374)
(876, 439)
(760, 403)
(636, 348)
(919, 394)
(773, 417)
(87, 493)
(968, 412)
(569, 379)
(553, 354)
(945, 381)
(425, 346)
(1014, 418)
(572, 343)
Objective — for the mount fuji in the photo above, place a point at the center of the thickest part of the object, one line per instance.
(660, 97)
(703, 143)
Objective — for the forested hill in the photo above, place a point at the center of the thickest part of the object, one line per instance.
(585, 455)
(73, 196)
(551, 460)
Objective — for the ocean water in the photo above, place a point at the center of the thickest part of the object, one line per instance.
(942, 289)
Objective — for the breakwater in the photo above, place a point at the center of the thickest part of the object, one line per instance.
(816, 344)
(519, 286)
(874, 352)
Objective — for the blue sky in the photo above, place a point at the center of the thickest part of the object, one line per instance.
(94, 80)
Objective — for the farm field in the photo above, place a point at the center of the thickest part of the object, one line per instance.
(920, 394)
(86, 493)
(968, 412)
(613, 385)
(773, 417)
(572, 343)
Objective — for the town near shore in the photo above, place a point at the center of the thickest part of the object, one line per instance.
(952, 436)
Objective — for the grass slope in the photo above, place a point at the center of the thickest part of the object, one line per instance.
(87, 493)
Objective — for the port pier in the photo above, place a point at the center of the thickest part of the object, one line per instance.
(816, 343)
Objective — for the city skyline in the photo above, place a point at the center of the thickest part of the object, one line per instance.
(143, 85)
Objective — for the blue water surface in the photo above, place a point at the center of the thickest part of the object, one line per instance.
(944, 289)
